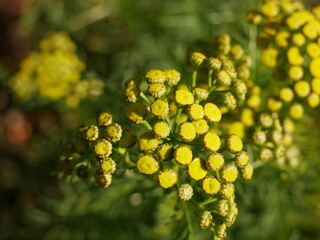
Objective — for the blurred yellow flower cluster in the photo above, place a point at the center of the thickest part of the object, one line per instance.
(53, 73)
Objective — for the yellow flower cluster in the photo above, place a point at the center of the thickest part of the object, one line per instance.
(54, 73)
(290, 38)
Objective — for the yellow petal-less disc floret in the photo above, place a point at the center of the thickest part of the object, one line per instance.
(237, 128)
(147, 142)
(187, 131)
(167, 178)
(313, 100)
(296, 111)
(103, 148)
(196, 169)
(242, 159)
(211, 142)
(91, 133)
(298, 39)
(113, 132)
(128, 138)
(205, 220)
(294, 56)
(197, 58)
(161, 129)
(246, 172)
(159, 108)
(184, 97)
(269, 57)
(313, 50)
(165, 152)
(234, 143)
(295, 72)
(104, 119)
(227, 190)
(156, 90)
(274, 105)
(229, 173)
(282, 38)
(183, 155)
(315, 85)
(173, 76)
(196, 111)
(314, 67)
(270, 9)
(108, 165)
(155, 76)
(137, 112)
(147, 164)
(223, 78)
(211, 185)
(215, 161)
(212, 112)
(302, 88)
(102, 179)
(201, 126)
(286, 94)
(247, 117)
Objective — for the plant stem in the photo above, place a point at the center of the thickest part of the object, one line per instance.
(210, 78)
(144, 97)
(146, 124)
(188, 219)
(194, 78)
(210, 200)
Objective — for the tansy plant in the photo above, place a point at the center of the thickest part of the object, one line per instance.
(54, 73)
(174, 135)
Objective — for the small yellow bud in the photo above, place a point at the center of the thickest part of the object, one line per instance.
(147, 164)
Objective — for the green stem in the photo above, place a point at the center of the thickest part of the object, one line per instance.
(146, 124)
(210, 78)
(210, 200)
(188, 219)
(194, 78)
(144, 97)
(177, 119)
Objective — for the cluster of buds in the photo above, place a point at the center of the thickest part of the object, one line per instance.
(92, 153)
(54, 73)
(290, 38)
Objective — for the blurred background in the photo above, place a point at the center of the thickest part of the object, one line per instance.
(117, 39)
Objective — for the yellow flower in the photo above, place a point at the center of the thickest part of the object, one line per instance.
(102, 179)
(167, 178)
(237, 51)
(212, 112)
(165, 152)
(108, 165)
(103, 148)
(185, 192)
(266, 120)
(147, 164)
(270, 9)
(295, 72)
(314, 67)
(200, 93)
(128, 138)
(196, 169)
(286, 94)
(223, 78)
(195, 111)
(114, 132)
(91, 133)
(187, 131)
(159, 108)
(315, 85)
(155, 76)
(137, 112)
(269, 57)
(296, 111)
(156, 90)
(201, 126)
(104, 119)
(183, 155)
(302, 88)
(311, 29)
(229, 173)
(294, 56)
(237, 128)
(227, 190)
(234, 143)
(313, 50)
(215, 161)
(288, 125)
(247, 117)
(274, 105)
(172, 76)
(282, 38)
(147, 142)
(184, 97)
(242, 159)
(197, 58)
(246, 172)
(211, 142)
(161, 129)
(254, 101)
(211, 185)
(298, 39)
(313, 100)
